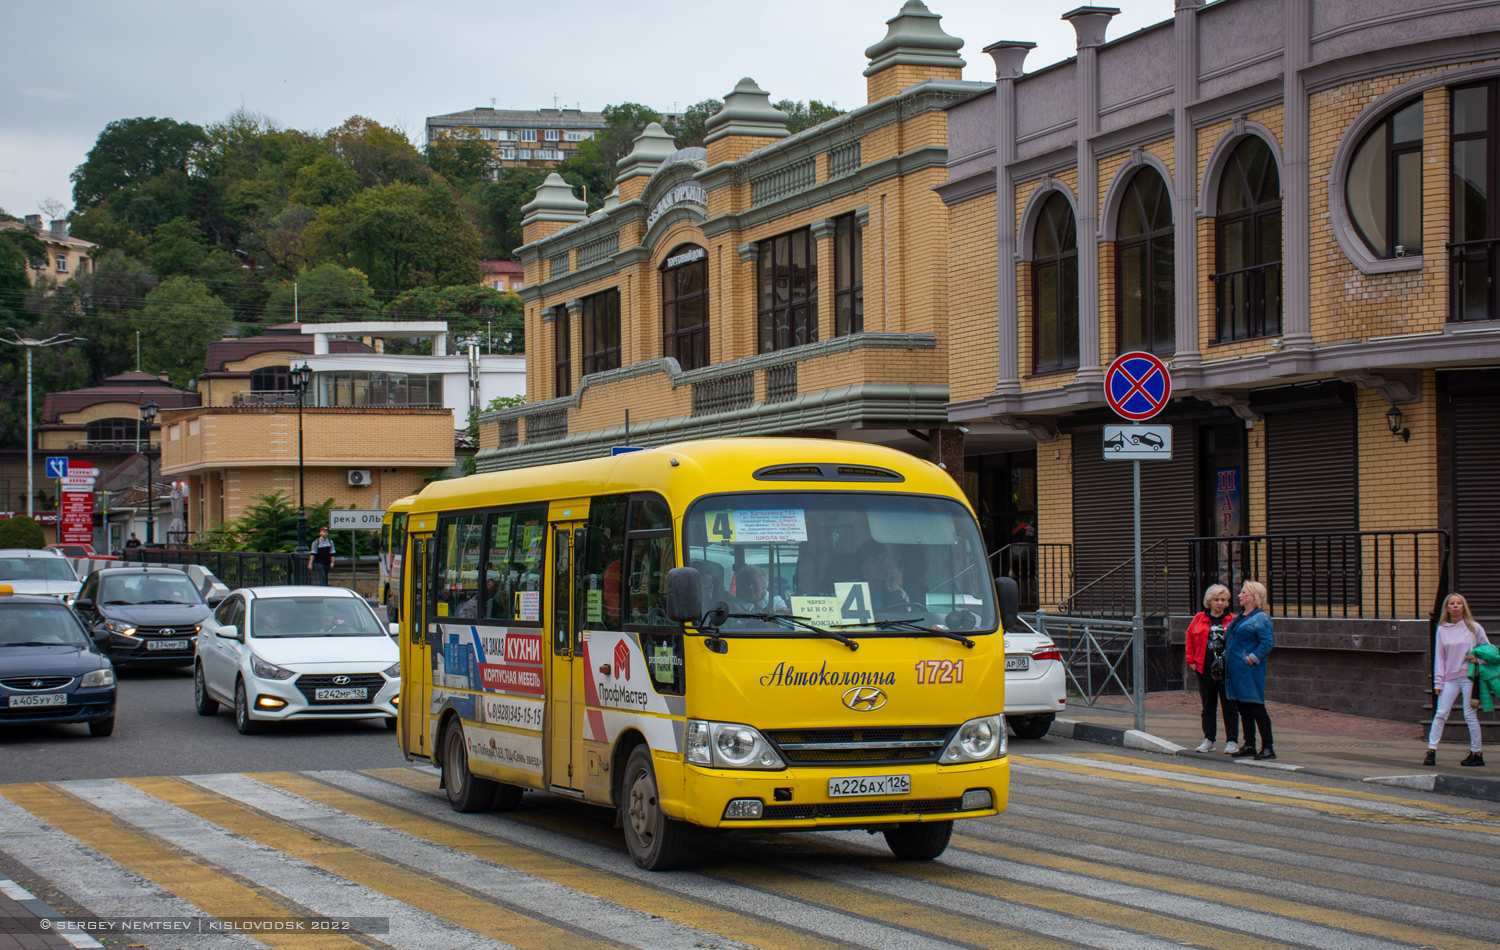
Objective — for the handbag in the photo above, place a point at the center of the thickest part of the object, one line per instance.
(1216, 669)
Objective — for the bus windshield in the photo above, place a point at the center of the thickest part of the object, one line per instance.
(840, 560)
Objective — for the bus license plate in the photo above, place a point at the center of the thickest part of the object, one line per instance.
(869, 785)
(336, 694)
(1022, 663)
(49, 699)
(166, 644)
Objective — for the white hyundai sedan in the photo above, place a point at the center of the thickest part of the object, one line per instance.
(1035, 683)
(277, 653)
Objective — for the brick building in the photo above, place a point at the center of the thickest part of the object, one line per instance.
(522, 138)
(765, 284)
(1292, 201)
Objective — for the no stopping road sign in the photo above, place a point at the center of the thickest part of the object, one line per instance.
(1137, 386)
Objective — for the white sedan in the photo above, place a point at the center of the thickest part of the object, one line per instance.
(277, 653)
(1036, 686)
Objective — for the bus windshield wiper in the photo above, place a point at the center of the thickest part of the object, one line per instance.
(800, 622)
(913, 625)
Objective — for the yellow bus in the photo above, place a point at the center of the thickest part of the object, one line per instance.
(763, 634)
(392, 550)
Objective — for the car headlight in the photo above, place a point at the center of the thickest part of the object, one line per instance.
(268, 671)
(729, 745)
(119, 627)
(976, 740)
(393, 671)
(68, 599)
(104, 677)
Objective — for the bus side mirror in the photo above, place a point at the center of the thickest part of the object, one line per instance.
(1009, 597)
(684, 596)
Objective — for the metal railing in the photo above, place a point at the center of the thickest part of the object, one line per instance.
(1112, 594)
(1095, 652)
(235, 568)
(1042, 572)
(1351, 574)
(1248, 303)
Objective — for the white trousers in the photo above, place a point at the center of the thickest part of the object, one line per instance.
(1451, 691)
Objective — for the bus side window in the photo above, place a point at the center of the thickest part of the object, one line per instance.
(603, 563)
(650, 559)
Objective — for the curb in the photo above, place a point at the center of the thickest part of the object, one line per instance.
(1484, 789)
(36, 906)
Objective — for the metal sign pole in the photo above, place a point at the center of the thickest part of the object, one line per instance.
(1138, 624)
(354, 559)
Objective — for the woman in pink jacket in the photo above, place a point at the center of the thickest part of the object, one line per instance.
(1457, 636)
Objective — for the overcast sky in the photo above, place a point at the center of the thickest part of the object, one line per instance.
(311, 64)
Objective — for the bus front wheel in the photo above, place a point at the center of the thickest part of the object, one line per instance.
(656, 842)
(919, 841)
(466, 792)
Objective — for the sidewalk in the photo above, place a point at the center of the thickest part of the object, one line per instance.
(1308, 740)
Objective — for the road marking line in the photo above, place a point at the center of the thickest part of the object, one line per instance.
(193, 880)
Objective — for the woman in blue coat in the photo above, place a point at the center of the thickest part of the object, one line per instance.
(1249, 642)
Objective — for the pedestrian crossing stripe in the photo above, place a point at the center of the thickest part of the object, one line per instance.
(1355, 805)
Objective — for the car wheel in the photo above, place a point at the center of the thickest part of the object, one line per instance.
(1031, 727)
(466, 792)
(204, 703)
(242, 720)
(656, 842)
(919, 841)
(102, 727)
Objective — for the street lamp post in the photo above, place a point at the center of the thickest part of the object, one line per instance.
(301, 377)
(148, 413)
(30, 344)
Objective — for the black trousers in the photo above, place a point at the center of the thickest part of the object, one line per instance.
(1212, 694)
(1254, 716)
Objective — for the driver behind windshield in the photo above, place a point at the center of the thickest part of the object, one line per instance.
(751, 594)
(879, 570)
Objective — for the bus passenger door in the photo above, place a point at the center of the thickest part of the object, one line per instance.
(564, 740)
(416, 653)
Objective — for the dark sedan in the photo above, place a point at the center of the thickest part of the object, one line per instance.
(50, 671)
(141, 615)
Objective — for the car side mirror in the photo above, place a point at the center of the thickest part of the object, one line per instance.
(214, 599)
(231, 632)
(1009, 594)
(83, 603)
(684, 596)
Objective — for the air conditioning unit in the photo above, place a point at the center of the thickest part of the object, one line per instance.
(359, 476)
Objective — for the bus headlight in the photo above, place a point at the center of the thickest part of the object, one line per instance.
(729, 745)
(977, 740)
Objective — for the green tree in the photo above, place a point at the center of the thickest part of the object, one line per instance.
(690, 128)
(475, 313)
(176, 248)
(597, 160)
(278, 244)
(131, 152)
(401, 236)
(105, 228)
(378, 155)
(500, 208)
(325, 181)
(20, 250)
(325, 293)
(177, 322)
(801, 116)
(21, 531)
(461, 155)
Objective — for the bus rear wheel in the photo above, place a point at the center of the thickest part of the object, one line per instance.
(919, 841)
(656, 842)
(466, 792)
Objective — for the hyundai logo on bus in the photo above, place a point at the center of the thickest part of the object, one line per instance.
(355, 520)
(864, 698)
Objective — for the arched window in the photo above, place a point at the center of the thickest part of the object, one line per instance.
(1384, 186)
(684, 306)
(1248, 278)
(271, 379)
(1054, 287)
(118, 430)
(1145, 300)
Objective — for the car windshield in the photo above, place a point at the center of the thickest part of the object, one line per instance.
(40, 625)
(312, 617)
(841, 560)
(166, 588)
(36, 569)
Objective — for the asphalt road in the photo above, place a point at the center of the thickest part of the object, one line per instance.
(157, 732)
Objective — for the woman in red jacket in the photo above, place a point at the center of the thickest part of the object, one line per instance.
(1205, 650)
